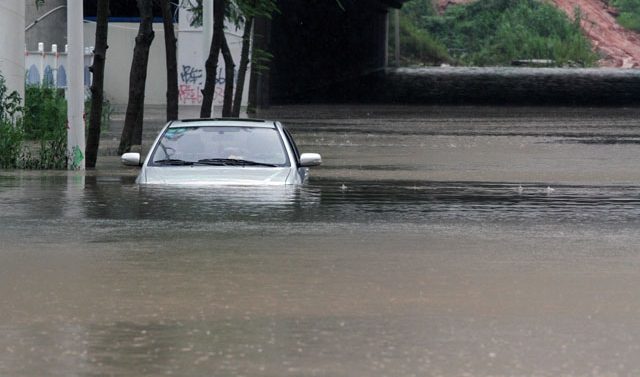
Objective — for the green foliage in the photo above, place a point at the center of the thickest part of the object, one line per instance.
(107, 112)
(9, 103)
(40, 124)
(50, 154)
(247, 9)
(45, 111)
(43, 128)
(496, 32)
(10, 145)
(236, 11)
(629, 13)
(44, 123)
(260, 59)
(417, 45)
(416, 9)
(196, 9)
(10, 135)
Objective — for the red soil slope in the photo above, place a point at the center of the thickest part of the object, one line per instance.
(441, 5)
(619, 47)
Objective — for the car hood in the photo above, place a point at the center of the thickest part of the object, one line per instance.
(216, 175)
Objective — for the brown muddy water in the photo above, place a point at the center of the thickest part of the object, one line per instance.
(411, 252)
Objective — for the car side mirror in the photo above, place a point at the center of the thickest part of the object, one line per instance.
(131, 159)
(310, 159)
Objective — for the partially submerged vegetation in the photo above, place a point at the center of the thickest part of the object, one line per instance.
(11, 135)
(495, 33)
(34, 136)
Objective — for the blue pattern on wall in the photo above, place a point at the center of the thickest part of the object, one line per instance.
(33, 76)
(62, 76)
(48, 77)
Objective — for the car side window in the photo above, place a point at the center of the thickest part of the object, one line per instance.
(292, 143)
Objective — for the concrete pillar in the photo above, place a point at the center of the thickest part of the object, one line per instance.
(12, 48)
(75, 94)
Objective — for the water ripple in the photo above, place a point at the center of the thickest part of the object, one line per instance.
(325, 201)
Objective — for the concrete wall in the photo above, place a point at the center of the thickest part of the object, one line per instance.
(52, 29)
(118, 65)
(508, 86)
(50, 67)
(191, 72)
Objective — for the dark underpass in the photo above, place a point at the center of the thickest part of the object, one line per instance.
(336, 52)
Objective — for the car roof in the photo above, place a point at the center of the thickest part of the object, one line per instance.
(222, 122)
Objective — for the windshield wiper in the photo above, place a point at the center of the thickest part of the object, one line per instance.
(210, 161)
(173, 161)
(233, 161)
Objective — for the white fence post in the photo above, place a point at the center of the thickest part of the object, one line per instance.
(54, 51)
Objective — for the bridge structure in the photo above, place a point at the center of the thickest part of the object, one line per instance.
(336, 51)
(320, 45)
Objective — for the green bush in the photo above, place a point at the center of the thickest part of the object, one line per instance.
(629, 13)
(496, 32)
(51, 151)
(107, 112)
(45, 111)
(45, 122)
(417, 45)
(11, 135)
(10, 145)
(40, 124)
(35, 136)
(416, 9)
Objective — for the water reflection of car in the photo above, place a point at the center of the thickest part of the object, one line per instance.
(224, 151)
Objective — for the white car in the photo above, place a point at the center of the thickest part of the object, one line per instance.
(224, 151)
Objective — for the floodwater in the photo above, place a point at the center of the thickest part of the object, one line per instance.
(433, 241)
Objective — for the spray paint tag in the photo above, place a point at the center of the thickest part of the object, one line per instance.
(77, 157)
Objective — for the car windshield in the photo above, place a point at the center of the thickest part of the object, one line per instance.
(220, 145)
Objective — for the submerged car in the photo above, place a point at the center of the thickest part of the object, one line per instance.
(224, 151)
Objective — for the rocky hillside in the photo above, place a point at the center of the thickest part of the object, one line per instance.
(618, 46)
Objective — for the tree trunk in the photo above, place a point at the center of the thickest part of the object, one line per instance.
(172, 61)
(137, 79)
(211, 65)
(242, 70)
(97, 87)
(229, 67)
(136, 140)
